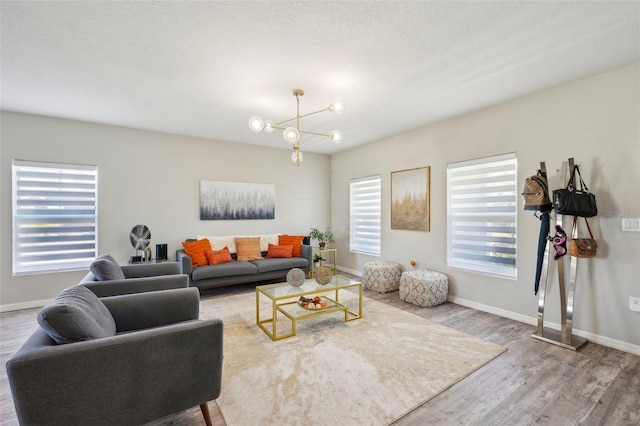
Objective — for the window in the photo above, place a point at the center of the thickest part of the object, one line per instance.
(364, 215)
(55, 217)
(481, 215)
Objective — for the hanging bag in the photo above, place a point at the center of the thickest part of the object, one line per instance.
(536, 193)
(582, 247)
(575, 201)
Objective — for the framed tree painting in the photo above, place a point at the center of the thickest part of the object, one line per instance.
(236, 200)
(410, 194)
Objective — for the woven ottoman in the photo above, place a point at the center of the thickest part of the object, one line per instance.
(424, 287)
(381, 276)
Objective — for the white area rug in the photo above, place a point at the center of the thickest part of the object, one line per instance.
(369, 371)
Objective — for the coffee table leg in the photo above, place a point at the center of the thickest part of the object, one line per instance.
(257, 307)
(274, 314)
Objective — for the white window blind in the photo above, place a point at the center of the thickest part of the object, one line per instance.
(364, 215)
(481, 215)
(54, 216)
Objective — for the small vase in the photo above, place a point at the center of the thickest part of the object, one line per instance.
(322, 245)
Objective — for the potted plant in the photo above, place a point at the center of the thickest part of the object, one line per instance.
(322, 237)
(317, 259)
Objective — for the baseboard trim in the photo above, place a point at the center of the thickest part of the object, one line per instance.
(24, 305)
(595, 338)
(351, 271)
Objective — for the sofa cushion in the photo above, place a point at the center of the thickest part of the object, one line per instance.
(267, 239)
(105, 268)
(196, 251)
(224, 270)
(229, 241)
(219, 256)
(276, 264)
(293, 240)
(75, 315)
(220, 242)
(279, 251)
(248, 248)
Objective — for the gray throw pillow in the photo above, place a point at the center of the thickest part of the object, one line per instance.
(76, 314)
(105, 268)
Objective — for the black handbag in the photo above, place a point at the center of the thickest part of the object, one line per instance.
(575, 201)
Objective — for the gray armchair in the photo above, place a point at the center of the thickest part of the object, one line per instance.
(132, 359)
(107, 278)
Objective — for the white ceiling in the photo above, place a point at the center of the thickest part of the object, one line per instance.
(202, 68)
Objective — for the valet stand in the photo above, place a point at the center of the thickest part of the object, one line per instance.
(564, 337)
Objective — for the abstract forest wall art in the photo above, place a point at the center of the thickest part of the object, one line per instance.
(410, 193)
(236, 200)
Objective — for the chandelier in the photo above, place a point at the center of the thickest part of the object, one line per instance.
(290, 134)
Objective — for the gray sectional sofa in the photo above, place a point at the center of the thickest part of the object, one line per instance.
(238, 272)
(107, 278)
(121, 360)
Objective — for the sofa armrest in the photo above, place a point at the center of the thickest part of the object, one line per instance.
(150, 269)
(136, 285)
(154, 309)
(307, 253)
(183, 259)
(126, 379)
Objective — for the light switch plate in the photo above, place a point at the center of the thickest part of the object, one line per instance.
(634, 303)
(630, 224)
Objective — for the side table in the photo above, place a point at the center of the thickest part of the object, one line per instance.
(322, 252)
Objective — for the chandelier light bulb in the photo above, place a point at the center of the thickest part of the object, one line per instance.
(256, 124)
(296, 157)
(291, 135)
(336, 136)
(268, 126)
(337, 107)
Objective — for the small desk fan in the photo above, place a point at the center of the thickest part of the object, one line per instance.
(140, 236)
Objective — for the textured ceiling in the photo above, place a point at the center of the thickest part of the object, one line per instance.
(203, 68)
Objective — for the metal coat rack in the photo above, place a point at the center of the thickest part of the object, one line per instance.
(565, 337)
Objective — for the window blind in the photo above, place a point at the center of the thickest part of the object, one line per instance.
(54, 216)
(481, 215)
(364, 215)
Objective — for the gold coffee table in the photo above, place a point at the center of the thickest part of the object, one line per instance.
(284, 300)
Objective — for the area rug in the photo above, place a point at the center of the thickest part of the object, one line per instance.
(370, 371)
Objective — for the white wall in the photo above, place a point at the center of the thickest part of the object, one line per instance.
(153, 179)
(596, 121)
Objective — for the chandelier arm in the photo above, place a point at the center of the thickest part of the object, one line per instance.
(315, 133)
(315, 112)
(305, 131)
(285, 121)
(302, 116)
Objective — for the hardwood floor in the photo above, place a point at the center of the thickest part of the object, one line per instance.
(532, 383)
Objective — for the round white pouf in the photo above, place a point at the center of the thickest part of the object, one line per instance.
(381, 276)
(424, 287)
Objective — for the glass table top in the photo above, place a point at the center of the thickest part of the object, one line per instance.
(284, 290)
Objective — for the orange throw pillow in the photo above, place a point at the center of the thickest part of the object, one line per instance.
(219, 256)
(280, 251)
(292, 240)
(248, 248)
(196, 251)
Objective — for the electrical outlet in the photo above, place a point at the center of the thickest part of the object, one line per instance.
(634, 303)
(630, 224)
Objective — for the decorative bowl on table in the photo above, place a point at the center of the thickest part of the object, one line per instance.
(312, 303)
